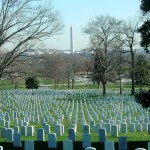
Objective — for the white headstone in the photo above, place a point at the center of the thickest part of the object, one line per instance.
(71, 134)
(138, 127)
(74, 127)
(40, 135)
(17, 140)
(16, 129)
(114, 131)
(86, 142)
(97, 127)
(25, 123)
(109, 145)
(7, 124)
(92, 123)
(9, 134)
(68, 145)
(29, 145)
(3, 132)
(140, 149)
(2, 122)
(52, 143)
(124, 128)
(148, 145)
(90, 148)
(146, 120)
(16, 121)
(47, 129)
(108, 127)
(145, 126)
(102, 135)
(58, 129)
(86, 129)
(148, 128)
(37, 120)
(30, 131)
(24, 130)
(132, 127)
(122, 143)
(20, 123)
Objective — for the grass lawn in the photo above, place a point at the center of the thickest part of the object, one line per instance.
(7, 84)
(135, 139)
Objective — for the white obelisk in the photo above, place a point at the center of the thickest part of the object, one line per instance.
(71, 41)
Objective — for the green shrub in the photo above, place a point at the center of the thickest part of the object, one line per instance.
(143, 97)
(32, 83)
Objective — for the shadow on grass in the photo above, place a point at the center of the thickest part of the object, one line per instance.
(76, 145)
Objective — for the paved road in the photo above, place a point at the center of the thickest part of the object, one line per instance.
(44, 86)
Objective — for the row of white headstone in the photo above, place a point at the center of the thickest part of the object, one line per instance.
(49, 108)
(68, 144)
(27, 130)
(59, 130)
(123, 124)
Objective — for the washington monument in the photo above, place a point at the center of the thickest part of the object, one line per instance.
(71, 41)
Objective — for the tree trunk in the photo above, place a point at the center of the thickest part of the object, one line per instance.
(1, 75)
(68, 81)
(120, 84)
(133, 72)
(105, 82)
(132, 88)
(1, 72)
(104, 88)
(72, 81)
(120, 87)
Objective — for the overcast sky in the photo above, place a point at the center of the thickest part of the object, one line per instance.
(77, 13)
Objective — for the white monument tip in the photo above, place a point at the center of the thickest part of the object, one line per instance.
(71, 41)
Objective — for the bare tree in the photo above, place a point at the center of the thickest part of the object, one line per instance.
(88, 64)
(22, 67)
(120, 66)
(68, 69)
(103, 32)
(22, 24)
(52, 67)
(61, 67)
(73, 64)
(129, 33)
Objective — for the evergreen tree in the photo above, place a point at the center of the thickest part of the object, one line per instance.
(145, 6)
(32, 83)
(144, 30)
(142, 72)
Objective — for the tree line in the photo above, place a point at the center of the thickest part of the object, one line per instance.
(61, 68)
(113, 43)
